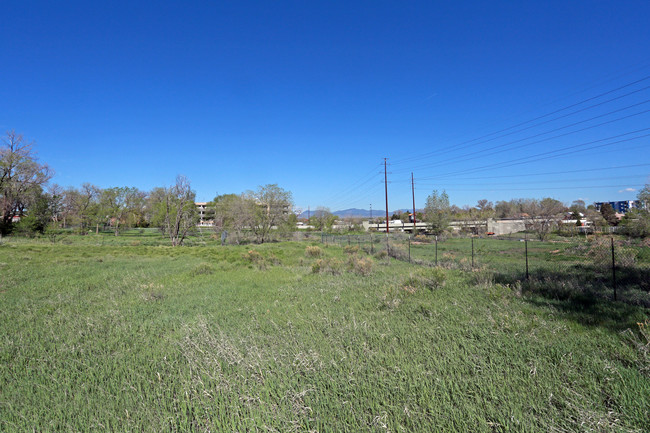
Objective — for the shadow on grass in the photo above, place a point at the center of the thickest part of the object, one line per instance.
(586, 293)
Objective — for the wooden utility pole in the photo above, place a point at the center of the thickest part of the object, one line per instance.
(413, 192)
(386, 189)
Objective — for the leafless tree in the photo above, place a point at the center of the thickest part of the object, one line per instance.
(180, 211)
(542, 216)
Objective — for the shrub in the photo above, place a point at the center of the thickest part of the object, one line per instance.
(398, 253)
(313, 251)
(483, 277)
(420, 238)
(381, 254)
(330, 266)
(360, 265)
(433, 278)
(427, 278)
(350, 249)
(253, 257)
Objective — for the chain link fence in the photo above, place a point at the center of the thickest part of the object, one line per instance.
(580, 268)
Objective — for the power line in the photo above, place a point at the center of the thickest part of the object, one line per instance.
(438, 163)
(516, 161)
(460, 145)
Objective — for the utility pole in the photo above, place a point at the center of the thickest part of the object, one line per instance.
(386, 189)
(413, 192)
(308, 215)
(370, 211)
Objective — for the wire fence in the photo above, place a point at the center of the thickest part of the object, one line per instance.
(584, 268)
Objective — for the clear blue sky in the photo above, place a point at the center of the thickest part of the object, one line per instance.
(312, 95)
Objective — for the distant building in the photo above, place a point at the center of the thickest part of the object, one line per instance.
(205, 219)
(619, 206)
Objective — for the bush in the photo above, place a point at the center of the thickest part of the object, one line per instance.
(329, 266)
(313, 251)
(398, 253)
(360, 265)
(253, 257)
(433, 278)
(427, 278)
(381, 254)
(483, 277)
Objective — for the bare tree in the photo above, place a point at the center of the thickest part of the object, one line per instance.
(20, 176)
(542, 216)
(180, 211)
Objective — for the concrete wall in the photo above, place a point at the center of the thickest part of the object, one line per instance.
(504, 227)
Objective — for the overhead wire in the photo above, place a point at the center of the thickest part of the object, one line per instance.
(460, 145)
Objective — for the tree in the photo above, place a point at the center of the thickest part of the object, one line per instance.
(269, 206)
(38, 214)
(231, 213)
(323, 219)
(437, 213)
(179, 210)
(636, 221)
(21, 177)
(643, 198)
(607, 211)
(543, 215)
(122, 206)
(578, 206)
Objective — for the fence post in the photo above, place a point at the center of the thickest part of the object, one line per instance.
(372, 247)
(526, 253)
(436, 250)
(472, 253)
(613, 269)
(409, 248)
(348, 240)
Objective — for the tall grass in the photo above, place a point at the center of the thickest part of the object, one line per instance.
(153, 338)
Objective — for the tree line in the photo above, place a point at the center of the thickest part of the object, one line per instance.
(29, 204)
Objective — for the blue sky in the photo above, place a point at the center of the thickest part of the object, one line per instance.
(313, 95)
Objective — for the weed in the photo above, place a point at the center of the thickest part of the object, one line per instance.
(351, 249)
(203, 269)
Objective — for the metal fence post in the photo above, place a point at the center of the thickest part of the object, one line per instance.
(372, 247)
(613, 269)
(472, 253)
(436, 250)
(526, 253)
(409, 248)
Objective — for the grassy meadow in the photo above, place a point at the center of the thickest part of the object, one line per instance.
(99, 333)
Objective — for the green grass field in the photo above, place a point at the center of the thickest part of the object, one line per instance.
(99, 333)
